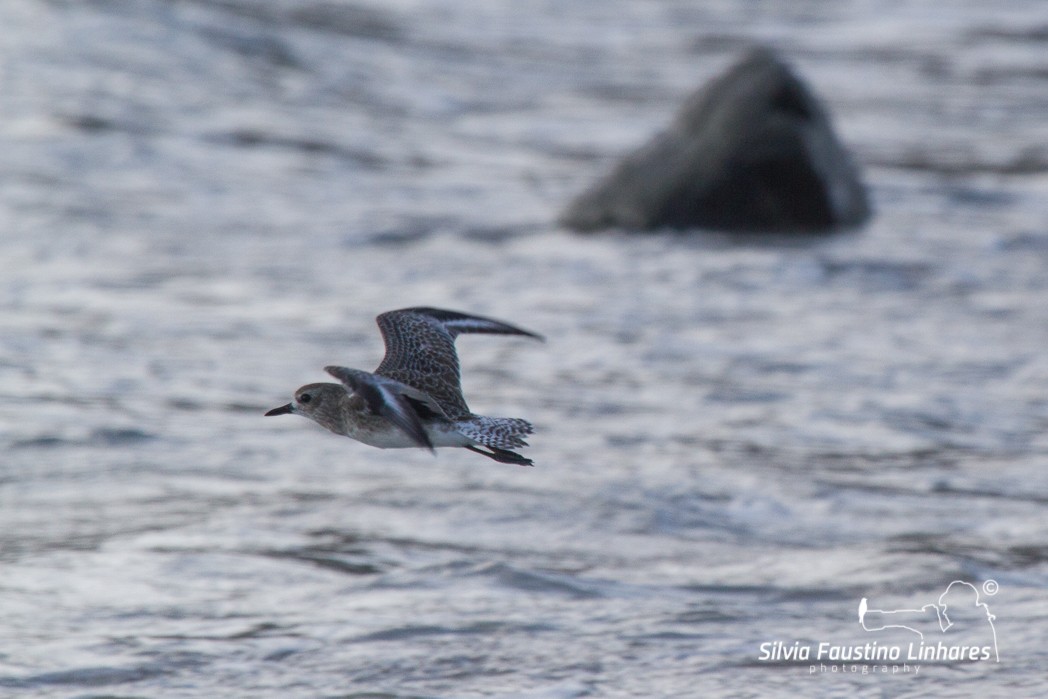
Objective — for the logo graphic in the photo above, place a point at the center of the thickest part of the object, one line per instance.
(961, 599)
(956, 626)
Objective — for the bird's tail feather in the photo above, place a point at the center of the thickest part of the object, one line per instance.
(495, 432)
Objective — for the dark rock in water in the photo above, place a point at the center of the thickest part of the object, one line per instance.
(751, 151)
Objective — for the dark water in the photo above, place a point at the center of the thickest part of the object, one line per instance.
(204, 203)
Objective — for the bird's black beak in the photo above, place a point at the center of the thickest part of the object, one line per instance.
(282, 410)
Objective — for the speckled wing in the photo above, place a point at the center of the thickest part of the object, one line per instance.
(420, 351)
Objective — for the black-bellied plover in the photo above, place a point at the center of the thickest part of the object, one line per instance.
(414, 397)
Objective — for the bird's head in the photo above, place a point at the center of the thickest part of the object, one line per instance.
(320, 402)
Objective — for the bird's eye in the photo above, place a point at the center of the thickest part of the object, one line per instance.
(305, 398)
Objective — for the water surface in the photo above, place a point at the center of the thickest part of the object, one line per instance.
(736, 440)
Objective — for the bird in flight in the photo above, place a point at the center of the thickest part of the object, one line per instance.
(414, 397)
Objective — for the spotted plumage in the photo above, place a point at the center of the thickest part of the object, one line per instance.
(414, 398)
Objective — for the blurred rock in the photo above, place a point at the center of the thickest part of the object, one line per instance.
(751, 151)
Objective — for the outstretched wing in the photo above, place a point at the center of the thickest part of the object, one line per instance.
(458, 323)
(420, 350)
(390, 399)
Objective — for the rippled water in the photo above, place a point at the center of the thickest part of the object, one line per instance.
(736, 440)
